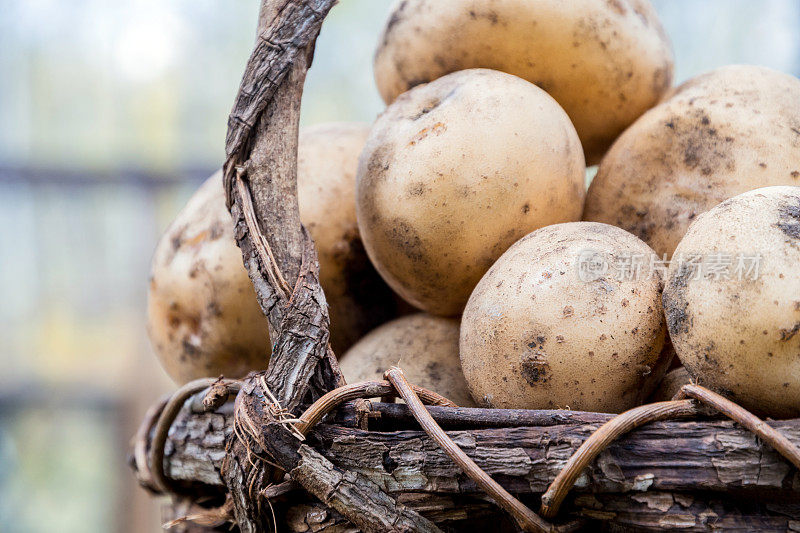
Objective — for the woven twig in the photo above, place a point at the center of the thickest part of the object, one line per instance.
(599, 441)
(748, 420)
(678, 408)
(142, 444)
(167, 414)
(527, 519)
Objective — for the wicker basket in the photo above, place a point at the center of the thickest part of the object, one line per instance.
(298, 450)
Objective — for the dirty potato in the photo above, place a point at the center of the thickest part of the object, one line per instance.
(358, 299)
(202, 314)
(424, 346)
(731, 130)
(605, 62)
(559, 322)
(454, 172)
(732, 300)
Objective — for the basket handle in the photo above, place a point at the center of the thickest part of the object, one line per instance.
(260, 182)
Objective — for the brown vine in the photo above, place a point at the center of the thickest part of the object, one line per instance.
(677, 408)
(166, 416)
(142, 445)
(260, 180)
(366, 389)
(527, 519)
(746, 419)
(599, 441)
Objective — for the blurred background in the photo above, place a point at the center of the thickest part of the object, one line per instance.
(111, 113)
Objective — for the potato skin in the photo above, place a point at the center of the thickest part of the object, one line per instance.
(720, 134)
(358, 298)
(202, 314)
(604, 62)
(454, 172)
(740, 336)
(535, 335)
(424, 346)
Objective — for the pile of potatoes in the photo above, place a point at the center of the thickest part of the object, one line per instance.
(466, 199)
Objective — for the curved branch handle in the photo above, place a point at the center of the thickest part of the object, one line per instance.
(260, 179)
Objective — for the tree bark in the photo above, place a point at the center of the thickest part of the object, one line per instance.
(632, 512)
(697, 512)
(345, 491)
(457, 514)
(260, 176)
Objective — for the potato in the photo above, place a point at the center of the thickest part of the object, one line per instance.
(732, 300)
(604, 62)
(671, 384)
(734, 129)
(358, 299)
(202, 314)
(424, 346)
(560, 322)
(454, 172)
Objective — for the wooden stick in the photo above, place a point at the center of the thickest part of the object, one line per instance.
(717, 455)
(474, 417)
(351, 494)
